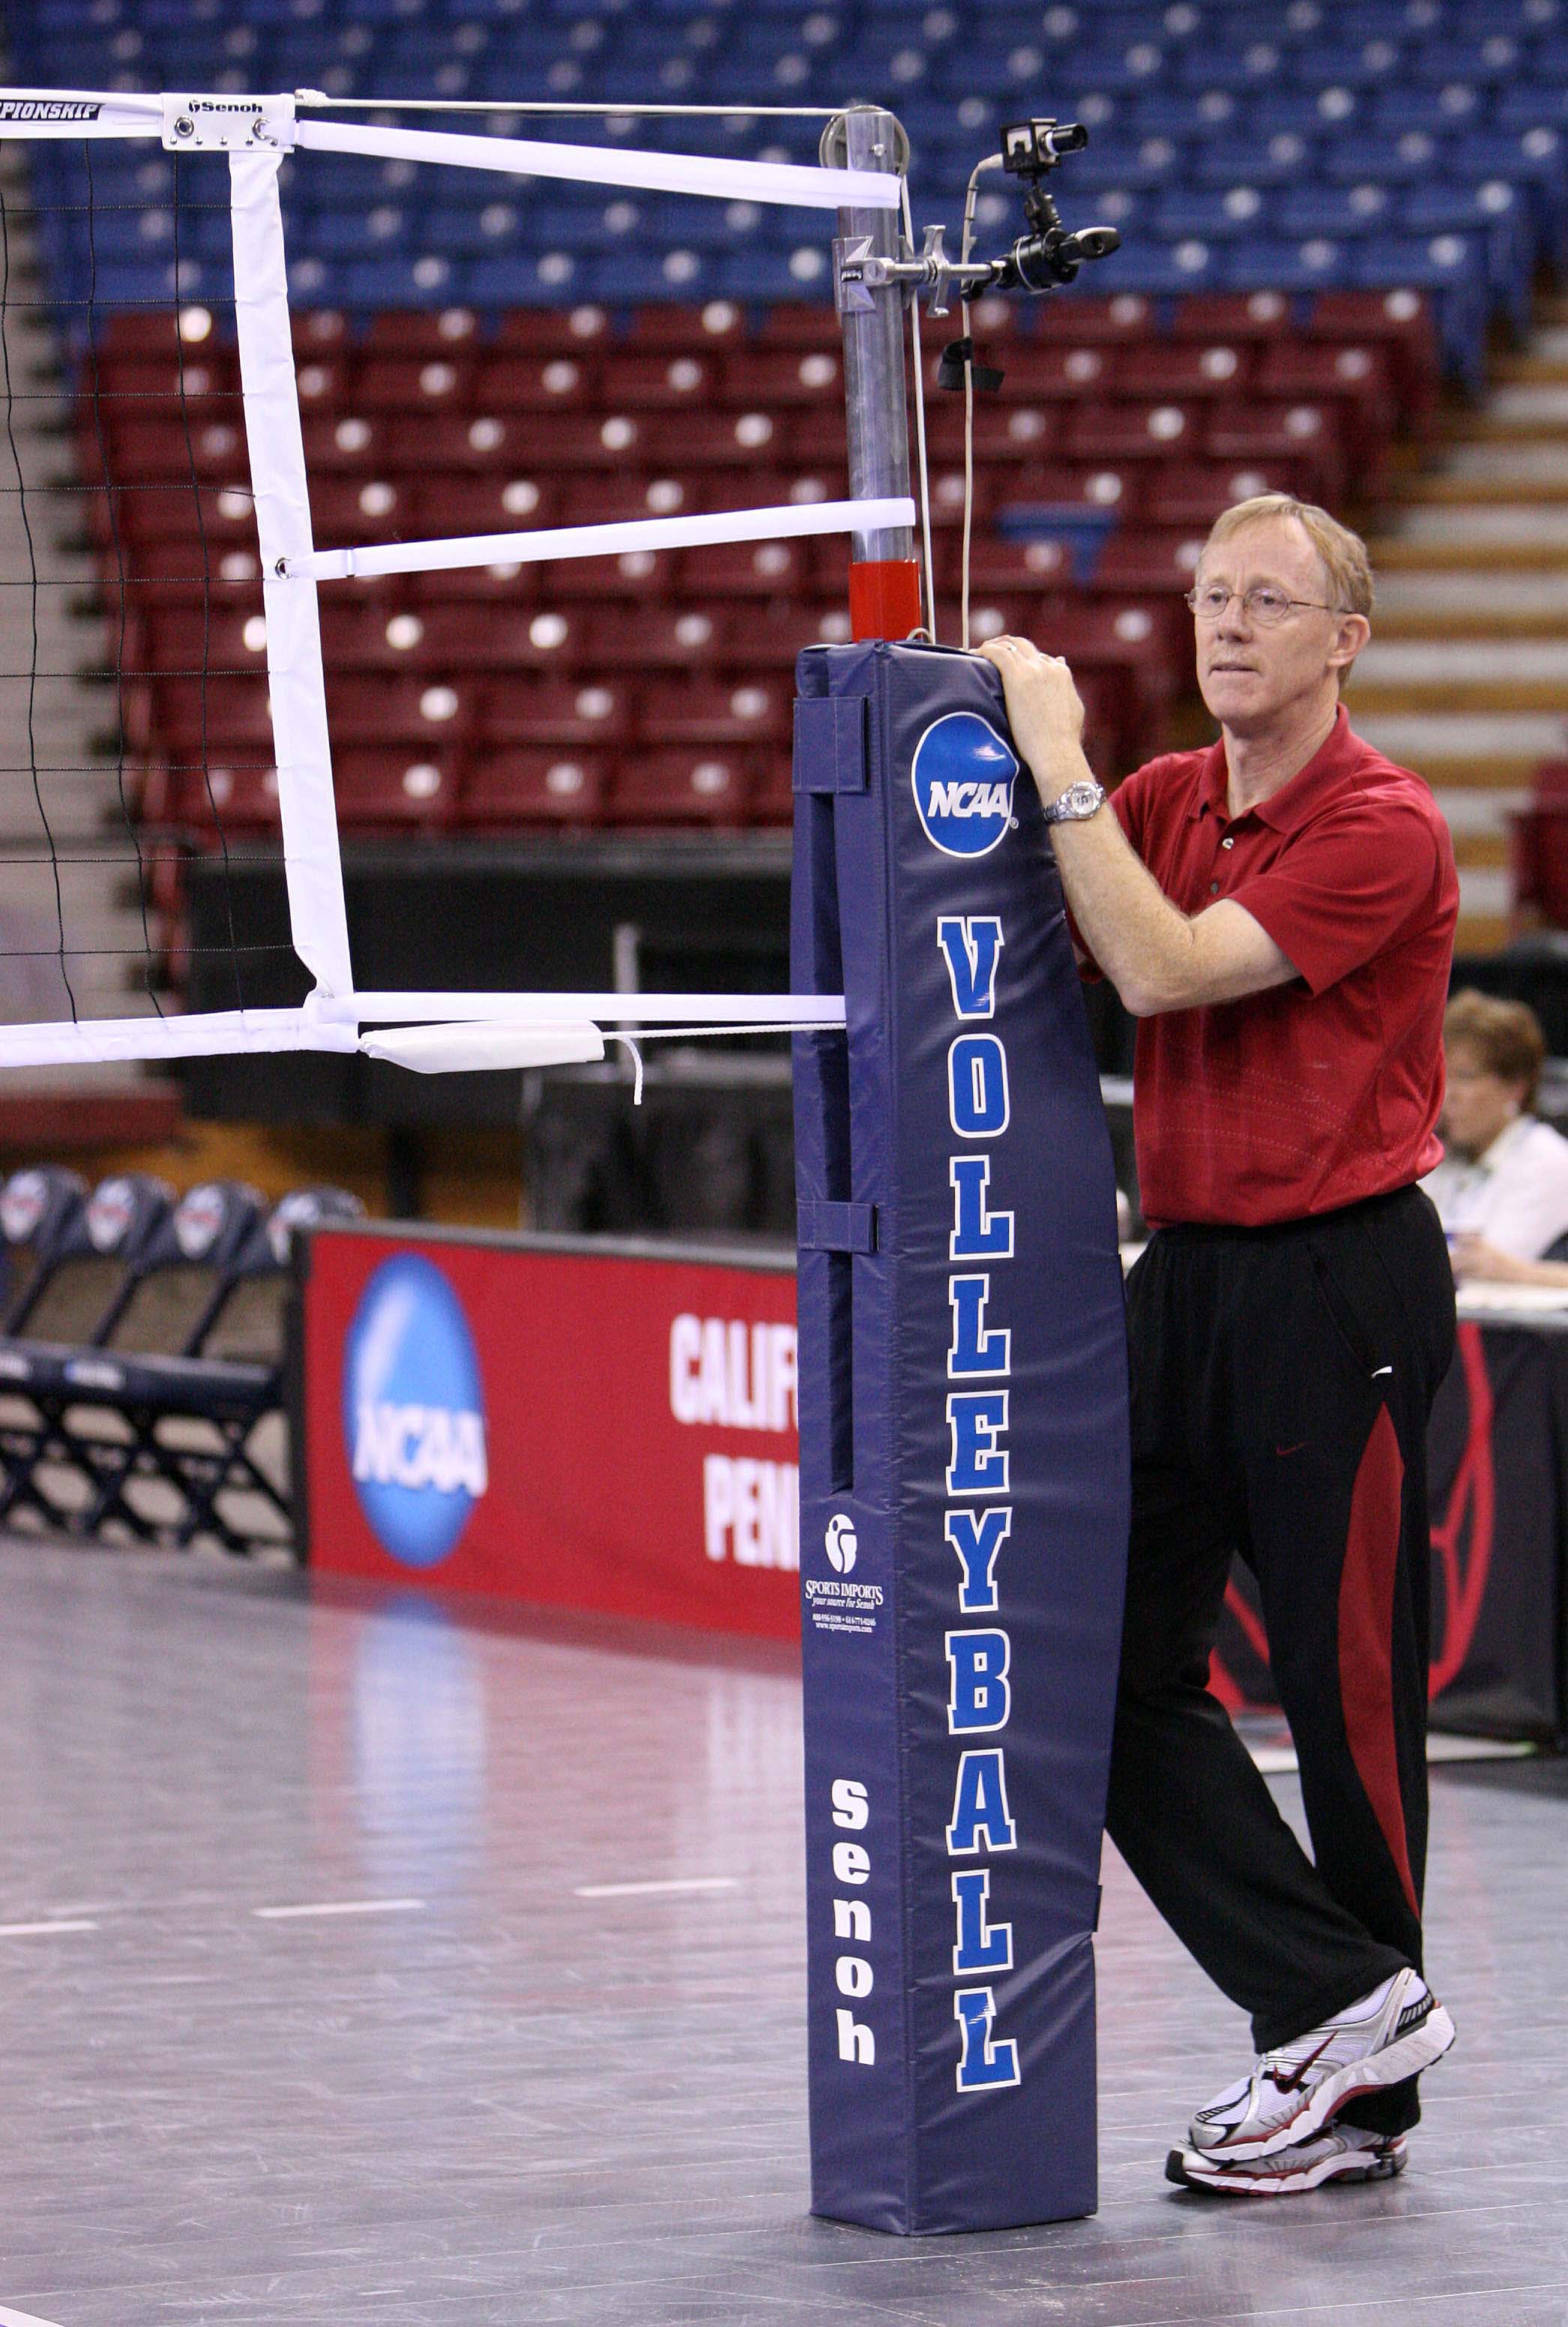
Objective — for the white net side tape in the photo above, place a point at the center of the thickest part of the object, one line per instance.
(528, 548)
(204, 1034)
(296, 680)
(791, 182)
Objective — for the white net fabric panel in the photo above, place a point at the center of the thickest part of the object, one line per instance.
(181, 543)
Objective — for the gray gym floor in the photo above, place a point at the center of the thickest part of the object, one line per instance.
(508, 2088)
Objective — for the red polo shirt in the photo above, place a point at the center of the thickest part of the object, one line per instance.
(1317, 1093)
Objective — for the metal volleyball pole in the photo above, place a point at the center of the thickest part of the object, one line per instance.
(884, 573)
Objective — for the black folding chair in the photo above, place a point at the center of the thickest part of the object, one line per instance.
(100, 1252)
(39, 1209)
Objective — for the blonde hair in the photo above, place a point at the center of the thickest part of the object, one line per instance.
(1506, 1036)
(1343, 553)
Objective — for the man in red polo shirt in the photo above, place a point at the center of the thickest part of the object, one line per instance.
(1278, 913)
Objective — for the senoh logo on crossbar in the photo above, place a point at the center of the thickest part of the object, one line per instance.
(962, 774)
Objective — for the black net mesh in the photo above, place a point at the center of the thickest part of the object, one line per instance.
(133, 683)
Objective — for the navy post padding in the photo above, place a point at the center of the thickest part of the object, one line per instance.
(836, 1228)
(830, 743)
(964, 1468)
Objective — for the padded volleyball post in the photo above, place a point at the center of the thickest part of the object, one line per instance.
(963, 1464)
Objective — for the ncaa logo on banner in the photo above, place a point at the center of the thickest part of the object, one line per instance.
(414, 1411)
(963, 775)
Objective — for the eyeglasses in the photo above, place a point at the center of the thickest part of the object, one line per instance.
(1263, 606)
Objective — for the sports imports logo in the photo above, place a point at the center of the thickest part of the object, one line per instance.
(962, 774)
(840, 1542)
(414, 1411)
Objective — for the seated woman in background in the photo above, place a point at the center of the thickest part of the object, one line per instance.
(1501, 1190)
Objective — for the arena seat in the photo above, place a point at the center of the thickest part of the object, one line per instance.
(694, 784)
(537, 784)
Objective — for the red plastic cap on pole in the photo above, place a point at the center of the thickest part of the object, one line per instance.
(884, 598)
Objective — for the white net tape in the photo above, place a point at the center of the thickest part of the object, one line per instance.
(512, 1028)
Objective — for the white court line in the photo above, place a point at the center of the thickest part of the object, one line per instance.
(22, 1931)
(21, 2319)
(337, 1907)
(647, 1889)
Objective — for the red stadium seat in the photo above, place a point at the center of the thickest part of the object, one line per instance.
(736, 711)
(512, 379)
(695, 785)
(772, 639)
(1052, 369)
(1229, 315)
(1356, 381)
(1304, 433)
(353, 444)
(997, 565)
(506, 637)
(552, 712)
(712, 439)
(554, 331)
(183, 641)
(433, 715)
(408, 385)
(1129, 431)
(1180, 372)
(800, 328)
(1101, 321)
(750, 569)
(347, 511)
(360, 634)
(1400, 320)
(508, 583)
(679, 331)
(419, 332)
(325, 382)
(226, 800)
(775, 379)
(823, 480)
(204, 722)
(1193, 492)
(1004, 432)
(584, 499)
(635, 382)
(636, 575)
(450, 506)
(948, 493)
(318, 332)
(399, 789)
(537, 786)
(1110, 489)
(1143, 559)
(655, 638)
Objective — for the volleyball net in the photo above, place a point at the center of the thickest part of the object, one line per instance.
(200, 554)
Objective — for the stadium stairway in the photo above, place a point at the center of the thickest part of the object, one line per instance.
(1467, 676)
(64, 719)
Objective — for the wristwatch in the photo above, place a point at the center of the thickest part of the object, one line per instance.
(1079, 801)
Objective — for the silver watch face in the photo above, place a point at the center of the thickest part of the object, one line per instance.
(1079, 799)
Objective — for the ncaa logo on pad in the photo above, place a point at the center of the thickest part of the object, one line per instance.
(840, 1542)
(963, 776)
(414, 1411)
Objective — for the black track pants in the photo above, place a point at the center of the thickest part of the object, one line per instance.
(1282, 1379)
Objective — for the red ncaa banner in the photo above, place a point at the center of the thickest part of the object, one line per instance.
(595, 1428)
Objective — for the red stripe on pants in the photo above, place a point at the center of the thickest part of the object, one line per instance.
(1366, 1634)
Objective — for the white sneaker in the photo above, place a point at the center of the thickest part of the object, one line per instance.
(1393, 2034)
(1340, 2153)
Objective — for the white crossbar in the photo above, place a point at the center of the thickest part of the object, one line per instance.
(800, 185)
(804, 1010)
(530, 548)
